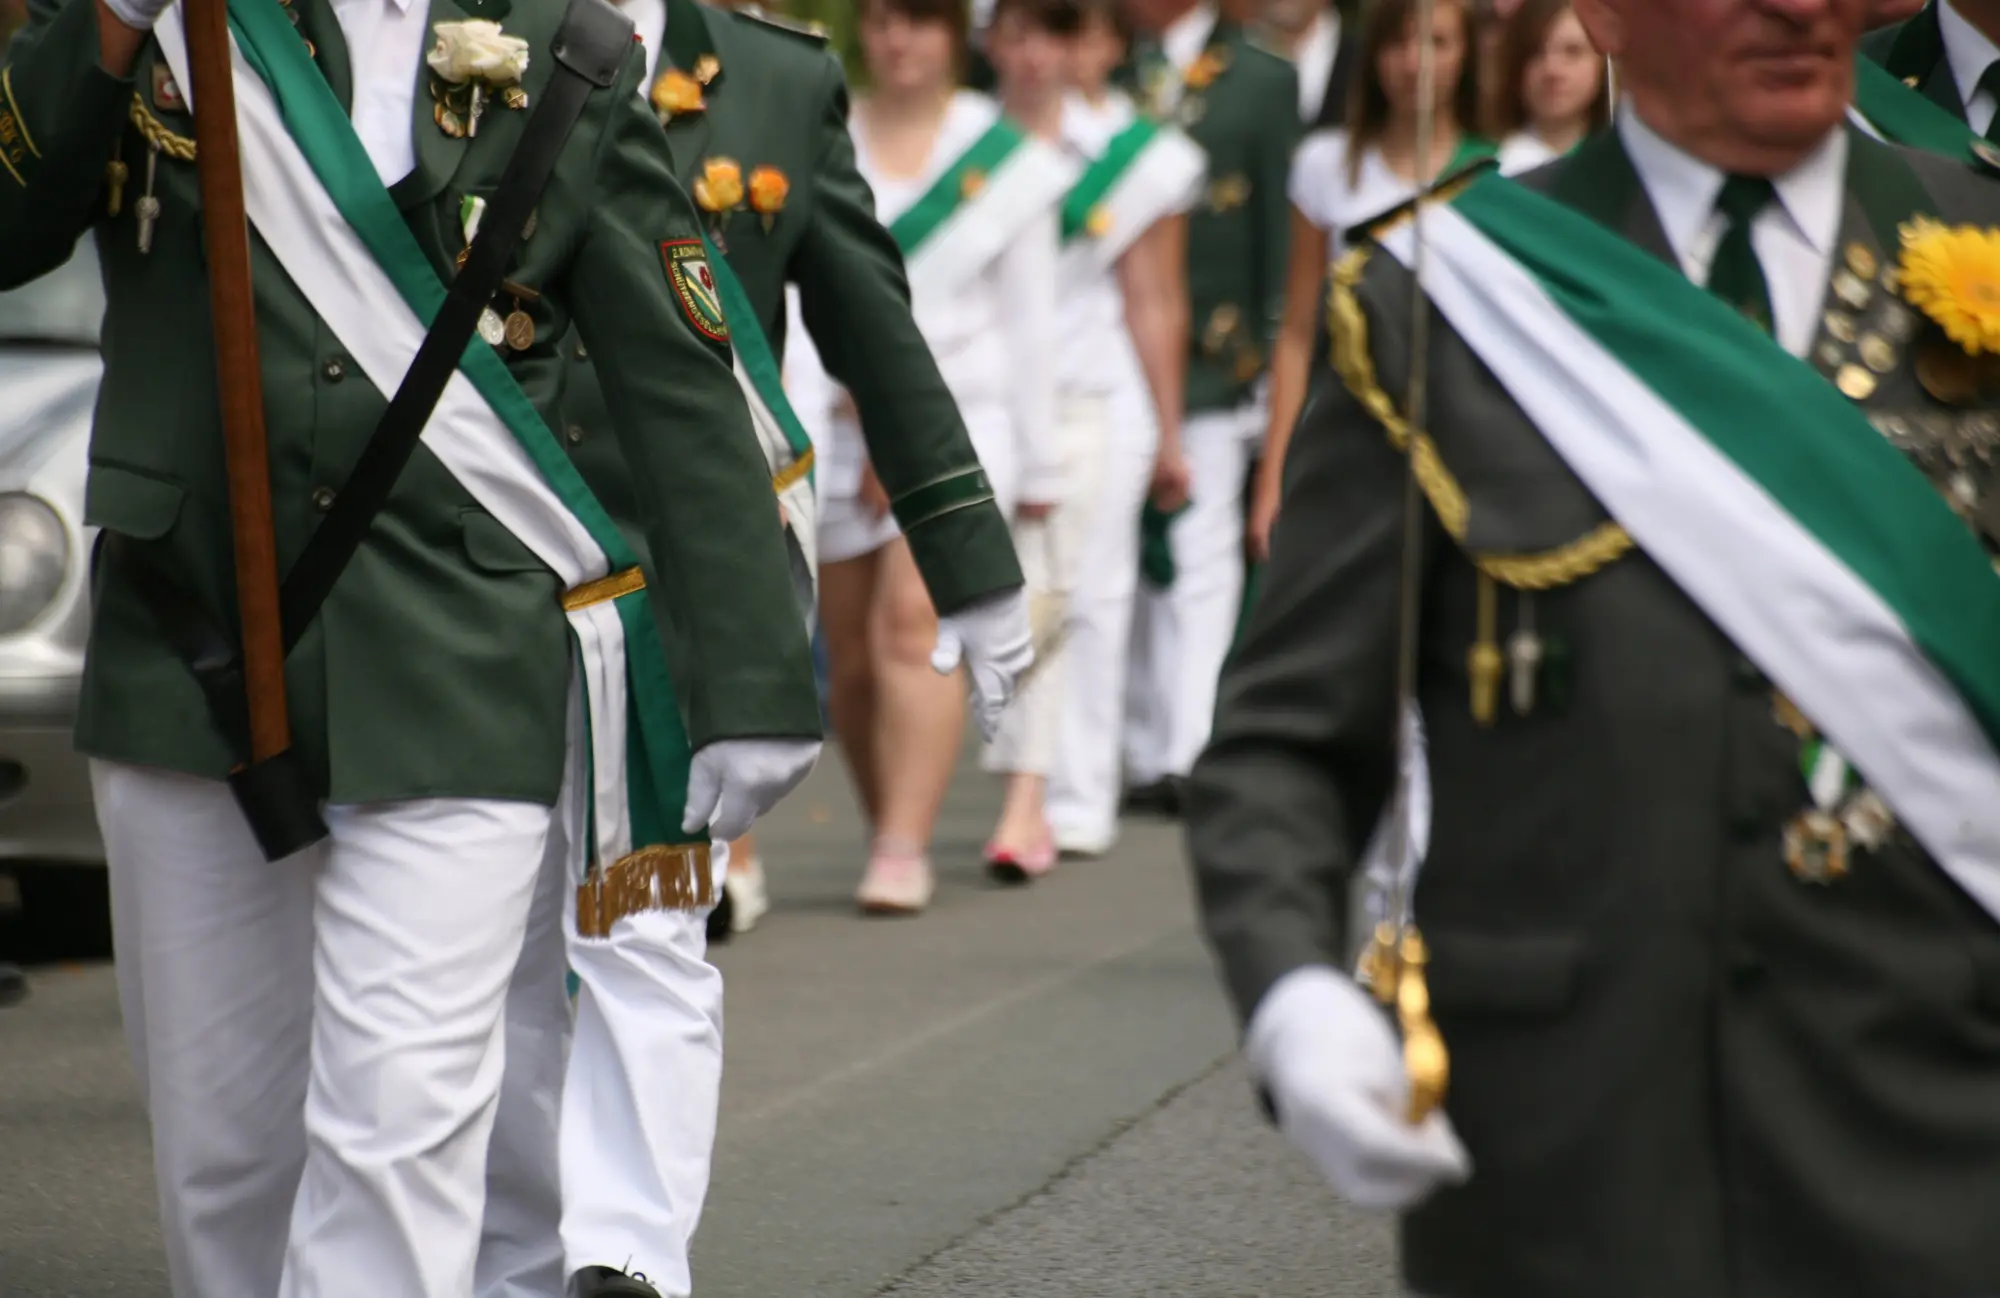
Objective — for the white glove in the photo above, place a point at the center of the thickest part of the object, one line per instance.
(1335, 1070)
(140, 15)
(733, 781)
(993, 637)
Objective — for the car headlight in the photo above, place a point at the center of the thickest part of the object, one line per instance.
(34, 557)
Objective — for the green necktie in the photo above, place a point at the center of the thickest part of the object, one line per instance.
(1736, 276)
(1989, 81)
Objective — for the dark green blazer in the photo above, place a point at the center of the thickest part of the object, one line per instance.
(440, 666)
(1246, 120)
(778, 99)
(1914, 51)
(1678, 1069)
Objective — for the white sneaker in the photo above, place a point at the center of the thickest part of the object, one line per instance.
(749, 900)
(1077, 842)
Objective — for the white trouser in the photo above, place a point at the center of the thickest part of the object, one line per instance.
(1052, 552)
(601, 1153)
(1083, 788)
(1181, 635)
(319, 1039)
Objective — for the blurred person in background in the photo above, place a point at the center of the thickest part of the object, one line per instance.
(1553, 86)
(973, 204)
(1948, 50)
(1198, 67)
(1344, 176)
(1121, 378)
(1309, 33)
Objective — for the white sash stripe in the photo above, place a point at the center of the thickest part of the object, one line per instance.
(1816, 629)
(298, 221)
(1031, 180)
(1164, 180)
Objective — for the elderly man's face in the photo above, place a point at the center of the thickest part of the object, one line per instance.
(1748, 84)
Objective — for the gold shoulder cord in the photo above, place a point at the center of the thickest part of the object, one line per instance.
(178, 147)
(1547, 570)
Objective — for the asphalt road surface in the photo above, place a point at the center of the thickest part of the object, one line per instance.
(1023, 1094)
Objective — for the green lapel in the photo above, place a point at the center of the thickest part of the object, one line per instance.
(1598, 180)
(1917, 59)
(688, 42)
(319, 25)
(438, 154)
(1886, 186)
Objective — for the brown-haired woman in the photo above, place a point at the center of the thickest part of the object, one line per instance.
(1553, 89)
(973, 204)
(1345, 175)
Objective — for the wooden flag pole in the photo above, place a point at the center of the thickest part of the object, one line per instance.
(239, 383)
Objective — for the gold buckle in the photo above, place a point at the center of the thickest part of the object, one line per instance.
(603, 590)
(662, 877)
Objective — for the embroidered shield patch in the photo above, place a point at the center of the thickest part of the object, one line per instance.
(694, 284)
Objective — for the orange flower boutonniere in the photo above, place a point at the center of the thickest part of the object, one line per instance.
(1206, 69)
(971, 183)
(768, 190)
(676, 94)
(719, 187)
(1098, 223)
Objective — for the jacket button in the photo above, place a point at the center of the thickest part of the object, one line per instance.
(335, 369)
(322, 498)
(574, 434)
(1749, 678)
(581, 353)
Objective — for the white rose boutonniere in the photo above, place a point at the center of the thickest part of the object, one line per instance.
(471, 60)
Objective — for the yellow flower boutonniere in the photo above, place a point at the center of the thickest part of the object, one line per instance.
(1202, 74)
(1098, 223)
(676, 94)
(768, 190)
(971, 183)
(1952, 275)
(719, 187)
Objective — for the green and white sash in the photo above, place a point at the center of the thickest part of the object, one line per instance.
(999, 179)
(1146, 172)
(1889, 110)
(1760, 490)
(315, 199)
(787, 447)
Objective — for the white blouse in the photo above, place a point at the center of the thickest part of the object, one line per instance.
(1523, 151)
(1096, 355)
(1323, 194)
(994, 336)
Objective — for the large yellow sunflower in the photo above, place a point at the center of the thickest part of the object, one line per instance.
(1952, 275)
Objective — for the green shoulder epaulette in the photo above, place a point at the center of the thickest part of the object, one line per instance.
(814, 32)
(1443, 188)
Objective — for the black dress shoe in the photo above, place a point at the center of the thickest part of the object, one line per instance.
(13, 984)
(608, 1282)
(1160, 798)
(721, 919)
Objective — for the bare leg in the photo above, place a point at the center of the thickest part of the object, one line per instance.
(921, 715)
(1023, 827)
(848, 591)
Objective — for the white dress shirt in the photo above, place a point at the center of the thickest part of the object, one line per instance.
(1314, 61)
(1794, 236)
(1968, 53)
(649, 23)
(386, 44)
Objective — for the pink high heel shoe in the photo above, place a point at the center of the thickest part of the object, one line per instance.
(1004, 865)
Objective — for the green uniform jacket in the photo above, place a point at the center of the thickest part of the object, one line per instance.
(1678, 1068)
(777, 99)
(1914, 51)
(1247, 120)
(440, 665)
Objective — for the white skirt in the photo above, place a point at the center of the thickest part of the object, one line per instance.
(848, 530)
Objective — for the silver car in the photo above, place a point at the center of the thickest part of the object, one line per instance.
(49, 372)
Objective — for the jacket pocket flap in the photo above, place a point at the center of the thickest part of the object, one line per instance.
(492, 547)
(1512, 974)
(134, 504)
